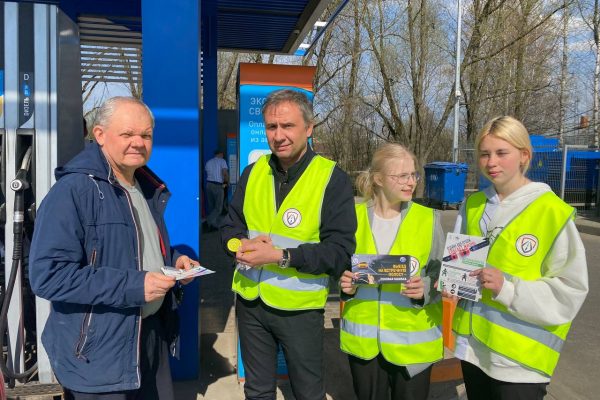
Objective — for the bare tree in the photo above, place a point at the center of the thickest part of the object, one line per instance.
(386, 106)
(343, 127)
(509, 63)
(385, 73)
(473, 85)
(226, 75)
(133, 76)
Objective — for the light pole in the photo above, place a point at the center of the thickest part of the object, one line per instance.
(457, 86)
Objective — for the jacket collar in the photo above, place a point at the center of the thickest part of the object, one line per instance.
(91, 161)
(295, 170)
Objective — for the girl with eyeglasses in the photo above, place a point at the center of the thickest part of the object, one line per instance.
(391, 332)
(535, 280)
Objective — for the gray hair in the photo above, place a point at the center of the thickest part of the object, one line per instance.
(107, 109)
(290, 96)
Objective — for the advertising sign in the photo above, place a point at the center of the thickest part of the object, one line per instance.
(255, 82)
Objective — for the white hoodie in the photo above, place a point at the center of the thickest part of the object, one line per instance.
(551, 300)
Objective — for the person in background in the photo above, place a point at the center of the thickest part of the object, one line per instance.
(217, 178)
(391, 332)
(98, 246)
(293, 212)
(535, 280)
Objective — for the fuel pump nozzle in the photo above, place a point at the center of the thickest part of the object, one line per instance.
(20, 182)
(19, 185)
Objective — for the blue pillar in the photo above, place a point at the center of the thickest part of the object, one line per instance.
(210, 130)
(170, 44)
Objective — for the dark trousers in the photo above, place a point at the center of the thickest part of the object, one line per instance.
(481, 387)
(300, 333)
(378, 379)
(154, 366)
(215, 196)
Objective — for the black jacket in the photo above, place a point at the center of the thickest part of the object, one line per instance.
(338, 219)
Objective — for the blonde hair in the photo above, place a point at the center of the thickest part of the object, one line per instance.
(510, 130)
(365, 183)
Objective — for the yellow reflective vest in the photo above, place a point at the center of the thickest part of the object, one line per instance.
(297, 221)
(380, 319)
(518, 251)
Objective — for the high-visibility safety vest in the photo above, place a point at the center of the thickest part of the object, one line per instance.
(518, 250)
(380, 319)
(296, 222)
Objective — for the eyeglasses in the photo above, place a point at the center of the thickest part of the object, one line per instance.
(404, 178)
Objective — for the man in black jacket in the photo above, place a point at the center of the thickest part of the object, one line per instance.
(294, 214)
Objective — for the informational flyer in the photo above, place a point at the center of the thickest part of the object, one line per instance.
(373, 269)
(197, 270)
(462, 255)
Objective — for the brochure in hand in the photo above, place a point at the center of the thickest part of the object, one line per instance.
(463, 254)
(372, 269)
(195, 271)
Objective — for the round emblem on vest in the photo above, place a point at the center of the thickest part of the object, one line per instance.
(527, 245)
(292, 218)
(414, 266)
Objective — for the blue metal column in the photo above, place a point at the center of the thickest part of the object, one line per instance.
(170, 48)
(210, 130)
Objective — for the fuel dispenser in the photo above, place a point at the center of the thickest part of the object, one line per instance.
(40, 129)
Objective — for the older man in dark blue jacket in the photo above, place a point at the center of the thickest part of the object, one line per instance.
(99, 243)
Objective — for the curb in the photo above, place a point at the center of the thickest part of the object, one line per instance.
(587, 226)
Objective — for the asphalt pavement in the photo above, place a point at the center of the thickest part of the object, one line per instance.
(576, 377)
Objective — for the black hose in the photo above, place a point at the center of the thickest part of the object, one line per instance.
(23, 376)
(19, 185)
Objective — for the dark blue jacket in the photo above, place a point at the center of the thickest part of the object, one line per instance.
(85, 258)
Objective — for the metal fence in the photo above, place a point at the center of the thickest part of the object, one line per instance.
(572, 171)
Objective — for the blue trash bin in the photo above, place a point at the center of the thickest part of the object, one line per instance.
(483, 182)
(445, 183)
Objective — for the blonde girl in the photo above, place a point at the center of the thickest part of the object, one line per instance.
(391, 332)
(535, 280)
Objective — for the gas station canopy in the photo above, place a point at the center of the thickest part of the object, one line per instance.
(171, 46)
(272, 26)
(267, 26)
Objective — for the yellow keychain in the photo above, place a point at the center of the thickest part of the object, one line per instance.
(234, 244)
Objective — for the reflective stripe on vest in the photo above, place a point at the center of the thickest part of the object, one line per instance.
(379, 318)
(519, 250)
(390, 336)
(296, 222)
